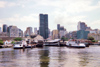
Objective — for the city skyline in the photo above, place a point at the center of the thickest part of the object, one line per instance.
(67, 13)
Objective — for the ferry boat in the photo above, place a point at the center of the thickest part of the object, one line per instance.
(18, 45)
(55, 42)
(75, 44)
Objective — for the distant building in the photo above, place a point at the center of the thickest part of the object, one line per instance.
(97, 31)
(55, 34)
(35, 30)
(81, 34)
(81, 26)
(14, 31)
(20, 33)
(4, 28)
(74, 35)
(0, 30)
(28, 31)
(62, 28)
(94, 35)
(62, 33)
(3, 34)
(8, 30)
(43, 29)
(58, 27)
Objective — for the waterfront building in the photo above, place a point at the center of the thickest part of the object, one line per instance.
(28, 31)
(82, 34)
(74, 35)
(14, 31)
(4, 28)
(96, 36)
(97, 31)
(55, 34)
(20, 33)
(43, 28)
(35, 30)
(62, 33)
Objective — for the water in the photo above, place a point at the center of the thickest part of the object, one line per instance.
(50, 57)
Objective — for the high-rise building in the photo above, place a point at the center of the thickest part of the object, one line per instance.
(28, 31)
(58, 27)
(14, 31)
(8, 30)
(43, 29)
(35, 30)
(20, 33)
(81, 26)
(4, 28)
(82, 34)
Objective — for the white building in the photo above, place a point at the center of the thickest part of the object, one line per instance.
(35, 30)
(62, 33)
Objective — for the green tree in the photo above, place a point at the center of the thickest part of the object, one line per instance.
(13, 42)
(64, 39)
(1, 42)
(90, 38)
(18, 39)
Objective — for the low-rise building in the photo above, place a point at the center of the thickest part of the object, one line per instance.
(3, 34)
(95, 36)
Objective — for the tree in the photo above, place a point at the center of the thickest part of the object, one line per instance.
(1, 42)
(64, 38)
(90, 38)
(18, 39)
(13, 42)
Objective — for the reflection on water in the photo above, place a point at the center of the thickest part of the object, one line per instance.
(50, 57)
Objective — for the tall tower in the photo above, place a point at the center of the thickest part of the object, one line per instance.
(43, 29)
(4, 28)
(81, 26)
(58, 27)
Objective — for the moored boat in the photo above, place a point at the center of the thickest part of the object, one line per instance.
(18, 45)
(75, 44)
(55, 42)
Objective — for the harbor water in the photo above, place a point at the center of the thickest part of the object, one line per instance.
(50, 57)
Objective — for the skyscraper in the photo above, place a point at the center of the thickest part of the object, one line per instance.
(58, 27)
(43, 29)
(81, 26)
(4, 28)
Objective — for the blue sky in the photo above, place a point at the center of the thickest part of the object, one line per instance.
(25, 13)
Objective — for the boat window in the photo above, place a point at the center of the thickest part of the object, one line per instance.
(18, 42)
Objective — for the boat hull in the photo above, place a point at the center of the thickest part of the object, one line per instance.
(76, 46)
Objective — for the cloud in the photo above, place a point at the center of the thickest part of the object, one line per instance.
(2, 4)
(66, 12)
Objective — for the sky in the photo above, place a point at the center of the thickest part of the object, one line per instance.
(67, 13)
